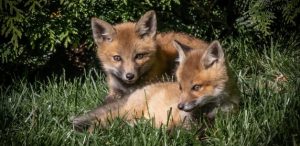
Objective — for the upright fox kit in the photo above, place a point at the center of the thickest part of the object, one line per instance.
(133, 54)
(203, 83)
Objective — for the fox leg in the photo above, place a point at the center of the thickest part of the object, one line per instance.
(113, 95)
(100, 116)
(116, 89)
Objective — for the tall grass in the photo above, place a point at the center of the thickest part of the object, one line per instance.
(268, 77)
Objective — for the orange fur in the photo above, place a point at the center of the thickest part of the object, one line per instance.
(129, 39)
(203, 83)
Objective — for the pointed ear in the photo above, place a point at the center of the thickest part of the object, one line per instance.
(147, 24)
(102, 31)
(213, 54)
(181, 49)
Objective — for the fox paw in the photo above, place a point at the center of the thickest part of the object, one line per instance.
(111, 98)
(80, 124)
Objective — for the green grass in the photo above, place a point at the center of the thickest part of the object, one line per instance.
(39, 113)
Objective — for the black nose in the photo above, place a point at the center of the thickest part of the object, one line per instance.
(129, 76)
(180, 106)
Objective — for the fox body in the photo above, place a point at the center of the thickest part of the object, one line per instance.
(203, 83)
(133, 54)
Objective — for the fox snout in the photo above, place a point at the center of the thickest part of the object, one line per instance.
(188, 103)
(187, 106)
(181, 106)
(198, 102)
(129, 77)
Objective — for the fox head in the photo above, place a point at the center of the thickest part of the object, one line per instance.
(126, 50)
(201, 75)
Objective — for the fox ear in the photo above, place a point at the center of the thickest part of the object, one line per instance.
(102, 31)
(213, 54)
(147, 24)
(181, 49)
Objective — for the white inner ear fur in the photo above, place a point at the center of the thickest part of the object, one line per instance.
(147, 24)
(102, 31)
(213, 53)
(181, 54)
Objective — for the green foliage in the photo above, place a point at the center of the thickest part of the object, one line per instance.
(258, 17)
(33, 30)
(265, 17)
(290, 11)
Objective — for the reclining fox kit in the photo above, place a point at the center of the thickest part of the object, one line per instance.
(134, 54)
(202, 79)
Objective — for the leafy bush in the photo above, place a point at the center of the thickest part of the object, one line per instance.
(33, 30)
(50, 33)
(267, 17)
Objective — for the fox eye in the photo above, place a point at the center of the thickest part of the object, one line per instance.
(117, 58)
(196, 87)
(139, 56)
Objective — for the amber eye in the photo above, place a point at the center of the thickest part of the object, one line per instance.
(196, 87)
(117, 58)
(139, 56)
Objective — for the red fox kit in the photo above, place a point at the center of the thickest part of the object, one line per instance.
(133, 54)
(203, 82)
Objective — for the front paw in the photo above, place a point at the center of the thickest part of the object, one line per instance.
(109, 99)
(81, 124)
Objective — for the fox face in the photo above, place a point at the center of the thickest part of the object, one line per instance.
(201, 75)
(127, 50)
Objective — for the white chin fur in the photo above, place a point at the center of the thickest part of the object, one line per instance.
(129, 82)
(188, 107)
